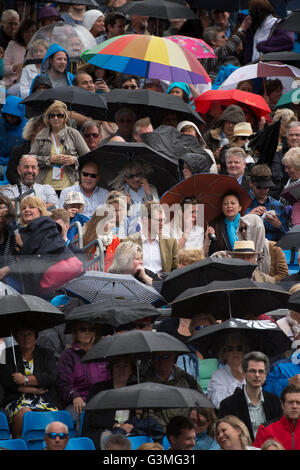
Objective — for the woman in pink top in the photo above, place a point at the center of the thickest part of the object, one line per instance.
(15, 52)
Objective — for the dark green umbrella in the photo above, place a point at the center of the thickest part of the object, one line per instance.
(291, 97)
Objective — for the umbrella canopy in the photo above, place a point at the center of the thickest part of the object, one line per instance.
(140, 343)
(115, 312)
(259, 335)
(229, 5)
(112, 156)
(291, 97)
(294, 301)
(95, 286)
(208, 190)
(196, 46)
(291, 239)
(281, 56)
(149, 57)
(287, 74)
(148, 395)
(226, 299)
(264, 143)
(291, 22)
(5, 289)
(149, 103)
(202, 273)
(256, 102)
(27, 309)
(89, 3)
(76, 99)
(162, 9)
(74, 38)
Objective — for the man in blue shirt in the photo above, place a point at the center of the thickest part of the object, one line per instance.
(260, 184)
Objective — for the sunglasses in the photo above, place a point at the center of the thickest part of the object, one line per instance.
(60, 435)
(92, 175)
(95, 136)
(84, 329)
(129, 87)
(58, 115)
(243, 137)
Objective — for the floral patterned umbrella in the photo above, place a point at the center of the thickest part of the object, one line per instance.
(196, 46)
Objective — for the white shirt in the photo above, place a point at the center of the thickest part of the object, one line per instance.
(43, 191)
(222, 384)
(151, 255)
(97, 198)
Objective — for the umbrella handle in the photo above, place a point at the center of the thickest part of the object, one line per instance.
(229, 304)
(14, 353)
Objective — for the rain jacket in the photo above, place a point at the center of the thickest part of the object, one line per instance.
(199, 162)
(285, 431)
(53, 49)
(11, 135)
(75, 377)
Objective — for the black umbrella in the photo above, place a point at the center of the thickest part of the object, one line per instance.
(89, 3)
(291, 22)
(202, 273)
(112, 156)
(115, 312)
(281, 56)
(259, 335)
(95, 286)
(228, 5)
(137, 342)
(148, 395)
(226, 299)
(291, 239)
(158, 9)
(76, 99)
(264, 143)
(149, 103)
(24, 309)
(294, 302)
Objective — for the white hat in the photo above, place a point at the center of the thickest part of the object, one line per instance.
(90, 17)
(74, 197)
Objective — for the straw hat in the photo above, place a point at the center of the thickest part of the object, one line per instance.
(74, 197)
(242, 129)
(244, 247)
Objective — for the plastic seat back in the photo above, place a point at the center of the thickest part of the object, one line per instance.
(34, 425)
(4, 427)
(80, 443)
(13, 444)
(136, 441)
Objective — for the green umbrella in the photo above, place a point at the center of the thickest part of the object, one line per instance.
(291, 97)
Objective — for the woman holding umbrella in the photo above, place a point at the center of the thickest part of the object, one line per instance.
(117, 421)
(28, 377)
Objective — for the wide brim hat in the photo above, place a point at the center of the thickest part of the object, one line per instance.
(244, 247)
(242, 129)
(74, 197)
(263, 181)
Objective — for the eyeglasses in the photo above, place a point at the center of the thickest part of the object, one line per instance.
(84, 329)
(95, 136)
(129, 87)
(254, 371)
(234, 348)
(60, 435)
(164, 357)
(138, 175)
(241, 229)
(86, 174)
(58, 115)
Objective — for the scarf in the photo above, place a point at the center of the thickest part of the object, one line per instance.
(232, 228)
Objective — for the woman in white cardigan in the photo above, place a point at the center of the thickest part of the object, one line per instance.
(37, 51)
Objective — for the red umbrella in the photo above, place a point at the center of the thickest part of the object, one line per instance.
(208, 189)
(256, 102)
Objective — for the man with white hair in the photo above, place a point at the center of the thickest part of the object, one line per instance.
(56, 436)
(28, 170)
(10, 20)
(235, 159)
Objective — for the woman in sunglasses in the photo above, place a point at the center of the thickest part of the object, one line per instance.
(225, 379)
(74, 377)
(58, 147)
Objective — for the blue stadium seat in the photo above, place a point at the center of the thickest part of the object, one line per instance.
(34, 425)
(13, 444)
(4, 427)
(166, 444)
(80, 443)
(136, 441)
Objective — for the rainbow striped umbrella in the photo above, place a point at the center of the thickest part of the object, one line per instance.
(149, 57)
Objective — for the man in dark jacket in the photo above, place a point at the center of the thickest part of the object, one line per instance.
(251, 404)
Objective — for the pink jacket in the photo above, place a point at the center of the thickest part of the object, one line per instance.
(14, 54)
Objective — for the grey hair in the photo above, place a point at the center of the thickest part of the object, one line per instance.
(293, 124)
(210, 34)
(88, 124)
(120, 180)
(124, 254)
(49, 424)
(116, 439)
(256, 356)
(8, 13)
(236, 151)
(28, 155)
(292, 157)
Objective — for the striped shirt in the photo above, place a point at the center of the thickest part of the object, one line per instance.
(256, 412)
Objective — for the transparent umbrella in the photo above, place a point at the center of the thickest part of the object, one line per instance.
(74, 38)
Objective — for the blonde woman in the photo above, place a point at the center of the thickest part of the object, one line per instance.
(31, 208)
(232, 434)
(58, 147)
(287, 116)
(128, 259)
